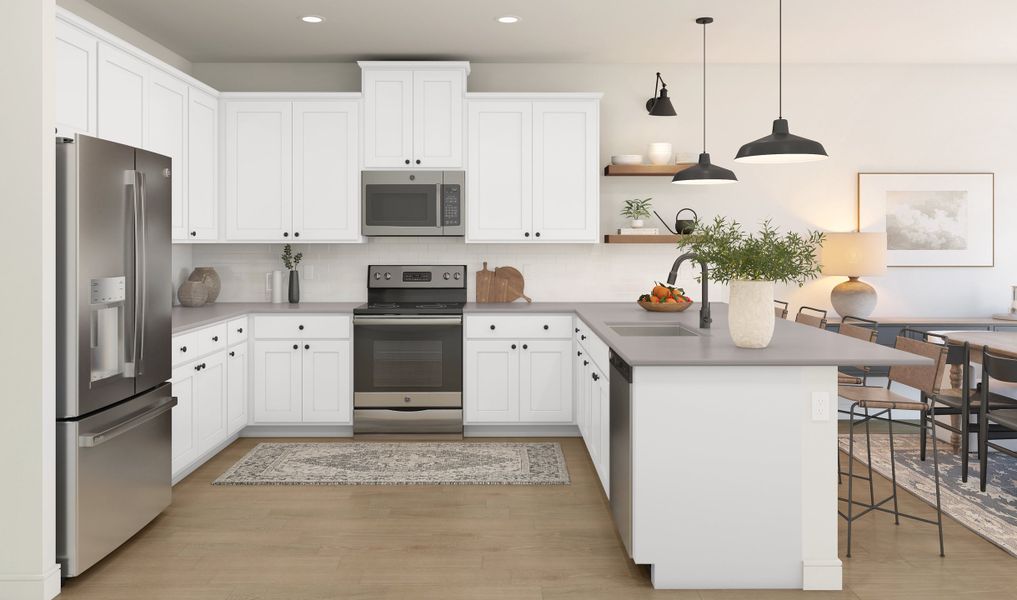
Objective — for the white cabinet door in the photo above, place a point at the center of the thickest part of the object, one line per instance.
(388, 118)
(236, 388)
(601, 395)
(566, 195)
(259, 170)
(327, 382)
(545, 388)
(499, 186)
(594, 442)
(165, 133)
(120, 102)
(277, 382)
(183, 441)
(578, 387)
(438, 119)
(202, 206)
(492, 382)
(210, 402)
(326, 170)
(75, 69)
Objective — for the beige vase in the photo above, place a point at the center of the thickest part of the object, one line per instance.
(209, 277)
(750, 313)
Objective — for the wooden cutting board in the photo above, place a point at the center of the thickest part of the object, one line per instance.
(504, 284)
(485, 281)
(513, 282)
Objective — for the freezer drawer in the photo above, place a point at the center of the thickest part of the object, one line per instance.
(113, 477)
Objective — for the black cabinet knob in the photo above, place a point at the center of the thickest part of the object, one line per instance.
(513, 346)
(194, 233)
(240, 329)
(527, 234)
(586, 363)
(577, 330)
(546, 327)
(307, 346)
(407, 161)
(579, 352)
(183, 348)
(197, 367)
(418, 161)
(296, 347)
(215, 338)
(596, 377)
(300, 327)
(296, 234)
(525, 346)
(582, 337)
(492, 327)
(232, 353)
(537, 234)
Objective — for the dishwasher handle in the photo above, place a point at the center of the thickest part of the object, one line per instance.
(92, 440)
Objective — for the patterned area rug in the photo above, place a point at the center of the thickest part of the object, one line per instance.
(992, 514)
(400, 463)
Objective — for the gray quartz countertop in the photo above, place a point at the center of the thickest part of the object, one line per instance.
(793, 344)
(185, 319)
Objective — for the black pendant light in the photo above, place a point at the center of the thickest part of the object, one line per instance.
(704, 173)
(660, 106)
(781, 146)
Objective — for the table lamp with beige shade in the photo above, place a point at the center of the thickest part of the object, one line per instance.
(854, 255)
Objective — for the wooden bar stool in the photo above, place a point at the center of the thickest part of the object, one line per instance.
(927, 381)
(865, 330)
(815, 317)
(780, 309)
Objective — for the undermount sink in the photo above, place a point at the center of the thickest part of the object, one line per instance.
(643, 330)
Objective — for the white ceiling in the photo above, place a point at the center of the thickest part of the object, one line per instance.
(595, 31)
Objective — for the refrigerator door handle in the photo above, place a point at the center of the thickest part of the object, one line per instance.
(92, 440)
(140, 269)
(131, 340)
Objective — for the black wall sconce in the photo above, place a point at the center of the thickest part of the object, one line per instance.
(660, 106)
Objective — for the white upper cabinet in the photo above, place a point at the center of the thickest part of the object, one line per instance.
(122, 84)
(413, 114)
(499, 190)
(201, 209)
(326, 170)
(75, 69)
(532, 168)
(165, 133)
(259, 160)
(566, 194)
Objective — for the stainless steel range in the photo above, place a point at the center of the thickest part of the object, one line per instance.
(408, 350)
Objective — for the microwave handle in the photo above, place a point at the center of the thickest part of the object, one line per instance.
(440, 209)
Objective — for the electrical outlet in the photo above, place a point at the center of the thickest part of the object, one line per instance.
(820, 406)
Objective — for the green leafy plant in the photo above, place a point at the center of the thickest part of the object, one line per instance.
(290, 260)
(764, 256)
(637, 209)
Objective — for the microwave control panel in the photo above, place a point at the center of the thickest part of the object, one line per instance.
(451, 201)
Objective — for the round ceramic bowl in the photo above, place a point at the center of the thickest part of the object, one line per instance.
(627, 159)
(665, 306)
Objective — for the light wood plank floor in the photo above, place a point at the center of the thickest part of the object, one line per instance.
(472, 542)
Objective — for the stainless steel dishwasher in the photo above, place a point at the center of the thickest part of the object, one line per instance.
(621, 448)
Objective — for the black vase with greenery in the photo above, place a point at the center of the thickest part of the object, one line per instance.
(290, 261)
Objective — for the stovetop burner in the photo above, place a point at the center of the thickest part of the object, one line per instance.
(414, 290)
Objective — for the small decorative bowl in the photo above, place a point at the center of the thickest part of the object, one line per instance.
(665, 306)
(627, 159)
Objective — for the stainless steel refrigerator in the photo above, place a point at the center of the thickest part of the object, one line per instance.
(114, 295)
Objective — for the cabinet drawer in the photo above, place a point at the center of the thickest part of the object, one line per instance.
(519, 327)
(212, 339)
(236, 330)
(185, 347)
(307, 327)
(597, 350)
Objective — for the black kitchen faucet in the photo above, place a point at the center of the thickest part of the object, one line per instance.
(704, 309)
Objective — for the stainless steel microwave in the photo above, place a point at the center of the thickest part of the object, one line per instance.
(413, 203)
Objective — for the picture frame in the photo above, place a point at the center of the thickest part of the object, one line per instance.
(931, 219)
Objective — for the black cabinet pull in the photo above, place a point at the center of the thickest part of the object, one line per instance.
(596, 377)
(527, 234)
(240, 330)
(300, 327)
(232, 353)
(296, 347)
(492, 327)
(537, 234)
(194, 233)
(579, 352)
(586, 363)
(525, 346)
(197, 367)
(418, 161)
(513, 346)
(286, 234)
(546, 327)
(407, 161)
(307, 346)
(215, 338)
(296, 234)
(183, 348)
(577, 330)
(582, 337)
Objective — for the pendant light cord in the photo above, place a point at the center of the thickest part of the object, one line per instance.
(704, 88)
(780, 59)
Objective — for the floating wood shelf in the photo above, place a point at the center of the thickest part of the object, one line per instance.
(641, 239)
(644, 170)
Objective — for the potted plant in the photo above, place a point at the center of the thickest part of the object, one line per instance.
(751, 263)
(636, 210)
(290, 261)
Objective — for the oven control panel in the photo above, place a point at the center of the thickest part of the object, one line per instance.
(416, 276)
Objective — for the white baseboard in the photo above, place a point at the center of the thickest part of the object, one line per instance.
(44, 586)
(822, 575)
(521, 430)
(204, 458)
(256, 431)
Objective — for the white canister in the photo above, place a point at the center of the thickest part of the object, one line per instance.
(661, 153)
(277, 287)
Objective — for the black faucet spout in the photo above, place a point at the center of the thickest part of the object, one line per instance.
(704, 309)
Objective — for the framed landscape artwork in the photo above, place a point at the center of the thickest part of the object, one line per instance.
(930, 219)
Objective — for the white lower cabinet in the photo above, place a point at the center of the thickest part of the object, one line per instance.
(593, 399)
(492, 382)
(236, 388)
(545, 375)
(277, 381)
(326, 381)
(210, 401)
(184, 441)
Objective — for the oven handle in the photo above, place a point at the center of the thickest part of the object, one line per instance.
(407, 320)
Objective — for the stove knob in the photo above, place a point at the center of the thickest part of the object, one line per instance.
(457, 276)
(388, 276)
(446, 276)
(377, 275)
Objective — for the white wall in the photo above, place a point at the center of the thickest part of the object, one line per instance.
(945, 118)
(28, 569)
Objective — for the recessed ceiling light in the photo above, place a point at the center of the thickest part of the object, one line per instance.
(312, 19)
(508, 19)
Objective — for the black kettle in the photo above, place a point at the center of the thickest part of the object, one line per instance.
(681, 226)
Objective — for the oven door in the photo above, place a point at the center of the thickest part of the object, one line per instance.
(408, 362)
(400, 203)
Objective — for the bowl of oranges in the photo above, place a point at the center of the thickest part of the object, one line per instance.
(665, 298)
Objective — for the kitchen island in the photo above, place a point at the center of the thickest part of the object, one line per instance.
(723, 466)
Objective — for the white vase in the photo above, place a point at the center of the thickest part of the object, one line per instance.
(660, 153)
(636, 223)
(750, 313)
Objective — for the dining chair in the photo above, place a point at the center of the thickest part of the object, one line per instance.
(865, 330)
(1003, 369)
(815, 317)
(925, 379)
(780, 309)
